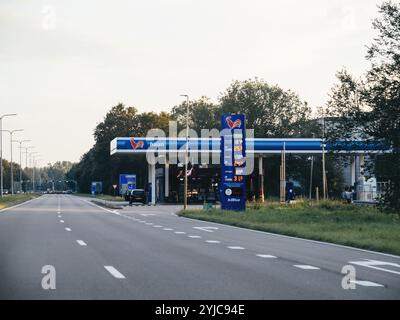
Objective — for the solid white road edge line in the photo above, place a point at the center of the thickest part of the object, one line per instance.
(18, 205)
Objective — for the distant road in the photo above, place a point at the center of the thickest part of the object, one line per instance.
(149, 253)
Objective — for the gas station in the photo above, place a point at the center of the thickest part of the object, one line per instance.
(206, 178)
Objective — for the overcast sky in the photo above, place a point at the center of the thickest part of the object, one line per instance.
(64, 64)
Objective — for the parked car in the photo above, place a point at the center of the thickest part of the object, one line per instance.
(135, 195)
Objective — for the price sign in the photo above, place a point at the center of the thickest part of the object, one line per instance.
(233, 162)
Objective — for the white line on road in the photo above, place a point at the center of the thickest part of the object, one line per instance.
(149, 224)
(377, 265)
(206, 229)
(213, 241)
(19, 205)
(366, 283)
(236, 248)
(62, 221)
(180, 232)
(115, 273)
(306, 267)
(195, 237)
(266, 256)
(168, 229)
(81, 243)
(158, 226)
(68, 229)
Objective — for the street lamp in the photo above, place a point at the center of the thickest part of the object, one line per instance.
(20, 161)
(33, 168)
(11, 132)
(1, 149)
(35, 160)
(26, 154)
(186, 152)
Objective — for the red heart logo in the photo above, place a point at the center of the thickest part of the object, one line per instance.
(233, 125)
(137, 145)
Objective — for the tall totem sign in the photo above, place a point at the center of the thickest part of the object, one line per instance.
(233, 162)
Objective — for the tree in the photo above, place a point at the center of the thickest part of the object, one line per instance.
(203, 114)
(98, 165)
(370, 109)
(270, 111)
(383, 95)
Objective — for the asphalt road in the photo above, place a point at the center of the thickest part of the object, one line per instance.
(149, 253)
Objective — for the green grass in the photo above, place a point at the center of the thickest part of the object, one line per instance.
(9, 200)
(100, 197)
(357, 226)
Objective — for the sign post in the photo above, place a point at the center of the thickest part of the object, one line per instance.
(126, 182)
(233, 162)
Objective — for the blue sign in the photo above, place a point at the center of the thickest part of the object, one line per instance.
(97, 187)
(261, 145)
(126, 182)
(233, 162)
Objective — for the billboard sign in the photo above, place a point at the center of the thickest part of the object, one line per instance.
(97, 187)
(126, 182)
(233, 162)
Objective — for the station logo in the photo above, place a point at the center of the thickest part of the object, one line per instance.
(137, 145)
(233, 125)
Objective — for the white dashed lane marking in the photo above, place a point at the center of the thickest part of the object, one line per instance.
(180, 232)
(62, 221)
(213, 241)
(168, 229)
(306, 267)
(366, 283)
(158, 226)
(266, 256)
(114, 272)
(194, 237)
(236, 248)
(81, 243)
(68, 229)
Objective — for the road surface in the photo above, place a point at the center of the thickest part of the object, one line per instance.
(149, 253)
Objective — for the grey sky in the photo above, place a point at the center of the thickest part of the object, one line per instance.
(64, 63)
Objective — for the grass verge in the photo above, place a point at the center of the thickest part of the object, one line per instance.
(9, 200)
(356, 226)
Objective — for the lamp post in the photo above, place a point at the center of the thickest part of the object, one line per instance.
(35, 160)
(20, 161)
(185, 200)
(33, 168)
(1, 149)
(26, 161)
(11, 132)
